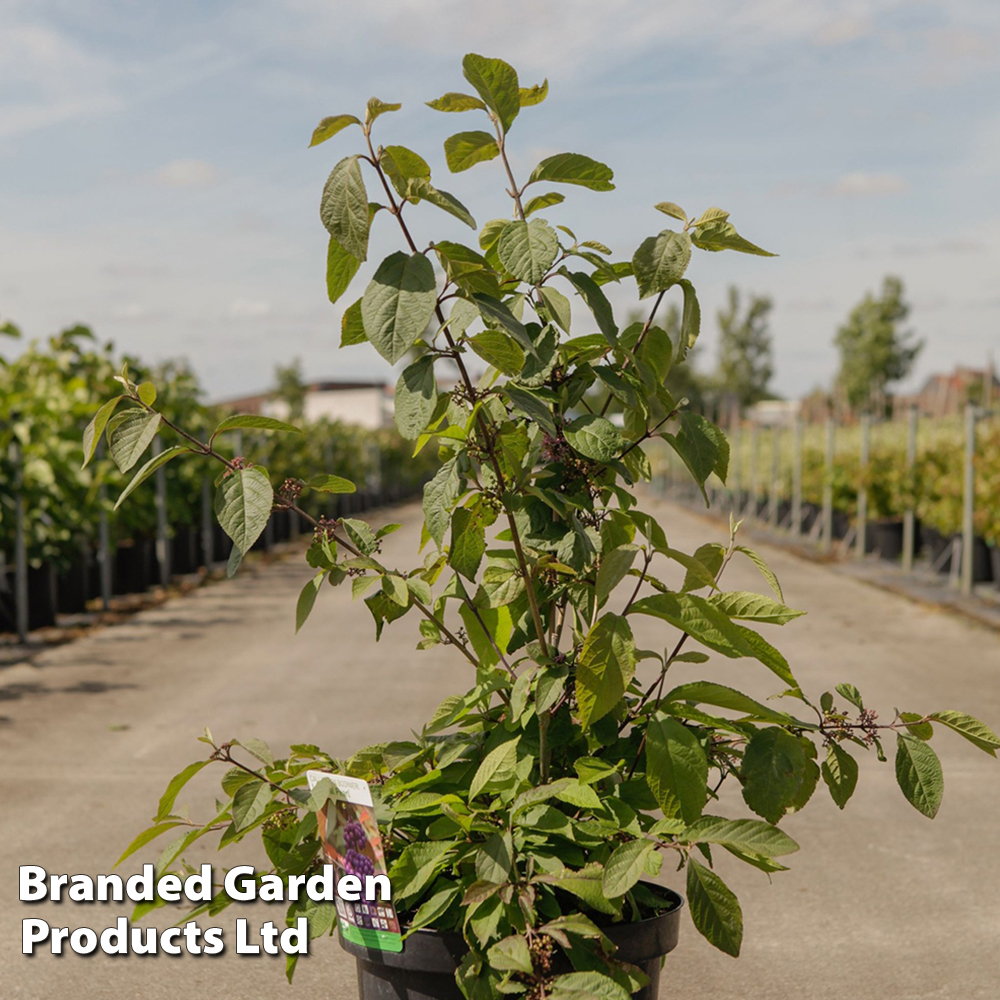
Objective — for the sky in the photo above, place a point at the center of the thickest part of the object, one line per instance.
(155, 180)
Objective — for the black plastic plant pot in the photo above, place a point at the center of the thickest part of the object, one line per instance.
(885, 538)
(995, 563)
(425, 968)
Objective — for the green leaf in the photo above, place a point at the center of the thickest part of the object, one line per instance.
(416, 398)
(499, 350)
(840, 772)
(401, 166)
(531, 406)
(249, 420)
(352, 327)
(754, 607)
(586, 986)
(605, 668)
(439, 496)
(720, 696)
(307, 598)
(94, 430)
(676, 768)
(774, 766)
(919, 774)
(711, 215)
(331, 484)
(595, 437)
(574, 168)
(443, 200)
(557, 305)
(453, 101)
(129, 434)
(466, 149)
(344, 207)
(497, 316)
(341, 267)
(722, 235)
(145, 837)
(613, 569)
(922, 730)
(541, 201)
(497, 768)
(330, 126)
(690, 317)
(148, 469)
(661, 261)
(765, 570)
(669, 208)
(496, 83)
(399, 303)
(852, 694)
(528, 249)
(585, 884)
(510, 955)
(375, 108)
(976, 732)
(715, 911)
(627, 864)
(416, 868)
(597, 303)
(494, 858)
(468, 543)
(432, 909)
(695, 445)
(746, 835)
(534, 95)
(394, 587)
(177, 782)
(146, 392)
(243, 506)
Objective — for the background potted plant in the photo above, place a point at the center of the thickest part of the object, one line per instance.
(523, 824)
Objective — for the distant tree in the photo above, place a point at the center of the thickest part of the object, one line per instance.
(290, 388)
(874, 351)
(746, 357)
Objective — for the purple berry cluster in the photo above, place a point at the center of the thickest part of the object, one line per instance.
(354, 836)
(358, 864)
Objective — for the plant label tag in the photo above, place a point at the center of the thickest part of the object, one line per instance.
(353, 845)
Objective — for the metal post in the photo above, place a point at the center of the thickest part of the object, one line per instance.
(909, 516)
(772, 498)
(754, 466)
(826, 536)
(207, 525)
(735, 479)
(20, 545)
(162, 530)
(797, 479)
(103, 537)
(862, 530)
(968, 497)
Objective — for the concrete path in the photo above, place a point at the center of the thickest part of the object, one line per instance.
(880, 902)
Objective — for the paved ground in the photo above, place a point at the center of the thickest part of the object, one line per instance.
(879, 903)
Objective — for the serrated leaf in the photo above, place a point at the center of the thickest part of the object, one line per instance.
(722, 235)
(586, 986)
(669, 208)
(510, 955)
(541, 201)
(840, 772)
(535, 94)
(597, 302)
(752, 607)
(626, 866)
(690, 317)
(416, 398)
(466, 149)
(129, 435)
(307, 598)
(595, 437)
(341, 267)
(352, 326)
(249, 803)
(852, 694)
(243, 505)
(453, 101)
(496, 83)
(331, 484)
(177, 782)
(774, 766)
(497, 768)
(661, 261)
(439, 496)
(528, 249)
(605, 668)
(94, 430)
(531, 406)
(765, 570)
(399, 303)
(574, 168)
(585, 884)
(557, 305)
(676, 768)
(748, 835)
(715, 911)
(251, 421)
(443, 200)
(416, 868)
(976, 732)
(330, 126)
(494, 858)
(376, 108)
(148, 469)
(919, 774)
(499, 350)
(721, 696)
(468, 543)
(344, 207)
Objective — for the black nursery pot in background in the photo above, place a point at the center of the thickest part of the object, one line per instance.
(425, 968)
(885, 538)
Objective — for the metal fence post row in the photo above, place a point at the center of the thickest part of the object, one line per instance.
(20, 544)
(862, 529)
(797, 479)
(162, 529)
(775, 490)
(968, 498)
(826, 536)
(909, 515)
(735, 479)
(754, 471)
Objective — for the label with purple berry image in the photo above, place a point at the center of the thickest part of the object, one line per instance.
(353, 845)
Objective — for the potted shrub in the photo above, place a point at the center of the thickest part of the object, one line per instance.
(524, 823)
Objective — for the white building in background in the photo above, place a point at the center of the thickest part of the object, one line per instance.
(774, 412)
(365, 404)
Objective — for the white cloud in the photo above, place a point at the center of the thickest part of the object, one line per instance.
(247, 309)
(863, 185)
(842, 30)
(188, 174)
